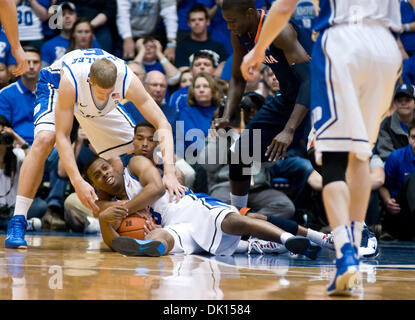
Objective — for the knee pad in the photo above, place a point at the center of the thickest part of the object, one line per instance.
(334, 167)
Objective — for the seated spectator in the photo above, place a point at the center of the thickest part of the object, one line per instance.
(82, 35)
(262, 197)
(155, 83)
(145, 145)
(202, 62)
(139, 19)
(393, 132)
(11, 158)
(23, 90)
(56, 47)
(271, 84)
(138, 69)
(150, 54)
(398, 193)
(101, 15)
(194, 120)
(408, 23)
(32, 14)
(186, 78)
(255, 83)
(199, 39)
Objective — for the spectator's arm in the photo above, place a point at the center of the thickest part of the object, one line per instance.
(39, 9)
(169, 14)
(172, 73)
(123, 19)
(99, 20)
(124, 28)
(377, 177)
(213, 10)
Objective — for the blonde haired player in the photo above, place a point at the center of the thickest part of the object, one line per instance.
(355, 64)
(87, 83)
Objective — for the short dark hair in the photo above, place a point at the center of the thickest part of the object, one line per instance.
(239, 5)
(207, 54)
(32, 49)
(411, 126)
(88, 164)
(198, 8)
(143, 123)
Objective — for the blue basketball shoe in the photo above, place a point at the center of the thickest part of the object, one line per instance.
(133, 247)
(347, 275)
(16, 230)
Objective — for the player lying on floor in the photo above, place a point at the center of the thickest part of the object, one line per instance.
(145, 144)
(195, 224)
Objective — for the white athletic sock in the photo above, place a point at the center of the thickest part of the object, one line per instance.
(242, 247)
(239, 201)
(356, 230)
(285, 236)
(342, 236)
(315, 236)
(22, 205)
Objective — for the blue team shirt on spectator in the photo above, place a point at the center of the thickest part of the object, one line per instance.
(304, 15)
(6, 56)
(56, 47)
(398, 166)
(408, 72)
(193, 117)
(153, 66)
(408, 16)
(20, 116)
(227, 69)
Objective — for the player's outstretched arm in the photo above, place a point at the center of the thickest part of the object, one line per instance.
(64, 113)
(278, 16)
(152, 112)
(237, 86)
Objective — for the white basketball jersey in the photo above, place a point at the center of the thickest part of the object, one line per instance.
(134, 187)
(29, 24)
(333, 12)
(76, 66)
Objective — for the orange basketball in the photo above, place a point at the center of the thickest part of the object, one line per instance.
(132, 226)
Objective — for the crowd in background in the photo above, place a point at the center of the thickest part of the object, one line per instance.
(181, 51)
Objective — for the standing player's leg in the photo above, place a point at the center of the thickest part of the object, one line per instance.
(375, 101)
(249, 152)
(336, 115)
(30, 177)
(31, 172)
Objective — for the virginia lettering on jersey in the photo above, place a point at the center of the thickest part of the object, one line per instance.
(270, 60)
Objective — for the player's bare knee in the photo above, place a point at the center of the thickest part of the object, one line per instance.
(235, 224)
(44, 142)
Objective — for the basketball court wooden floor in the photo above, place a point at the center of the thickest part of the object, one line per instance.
(61, 267)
